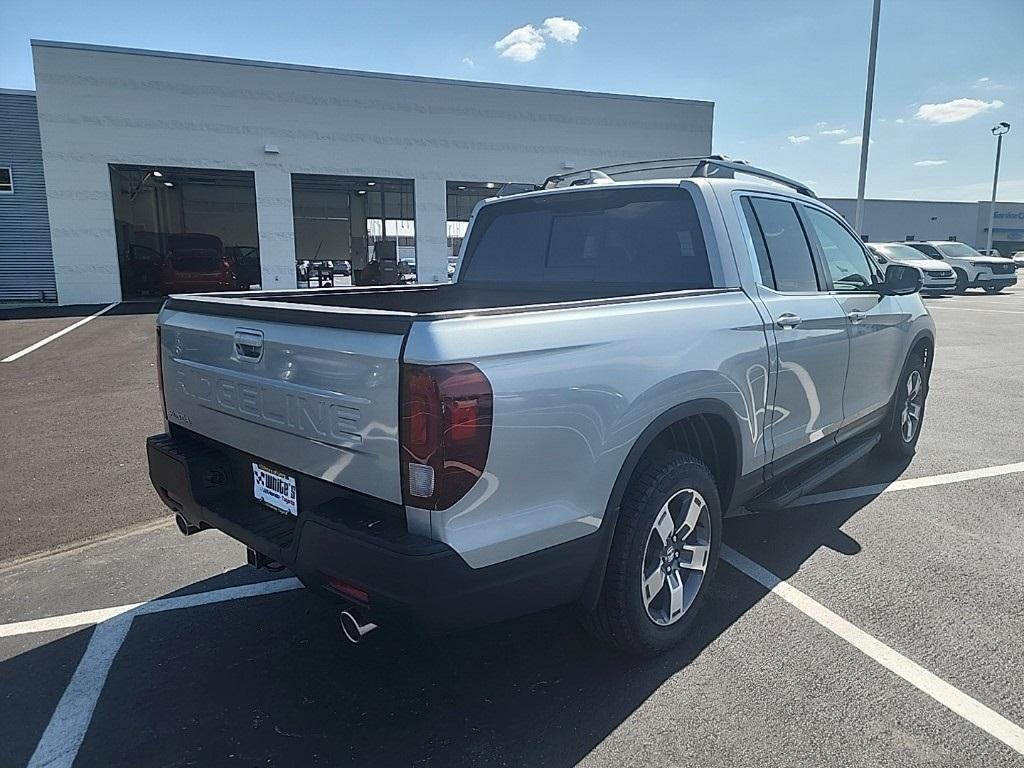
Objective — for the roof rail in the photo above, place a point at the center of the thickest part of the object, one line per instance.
(510, 188)
(705, 166)
(707, 169)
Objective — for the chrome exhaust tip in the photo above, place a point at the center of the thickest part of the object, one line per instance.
(354, 629)
(184, 526)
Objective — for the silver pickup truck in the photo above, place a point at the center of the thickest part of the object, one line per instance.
(617, 364)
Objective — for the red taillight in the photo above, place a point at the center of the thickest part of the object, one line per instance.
(445, 430)
(160, 371)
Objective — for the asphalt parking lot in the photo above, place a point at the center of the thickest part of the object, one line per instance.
(894, 637)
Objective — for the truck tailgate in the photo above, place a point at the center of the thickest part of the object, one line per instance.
(320, 400)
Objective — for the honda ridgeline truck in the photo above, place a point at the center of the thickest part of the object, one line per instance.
(617, 365)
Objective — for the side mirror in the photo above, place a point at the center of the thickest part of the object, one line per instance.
(901, 280)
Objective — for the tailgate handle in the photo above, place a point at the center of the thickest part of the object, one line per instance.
(249, 345)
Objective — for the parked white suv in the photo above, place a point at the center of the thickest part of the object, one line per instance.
(936, 279)
(972, 269)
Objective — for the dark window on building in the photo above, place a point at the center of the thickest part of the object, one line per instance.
(648, 239)
(786, 244)
(6, 180)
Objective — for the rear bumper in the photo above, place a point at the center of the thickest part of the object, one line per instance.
(343, 536)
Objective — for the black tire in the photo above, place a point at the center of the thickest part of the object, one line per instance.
(895, 442)
(621, 617)
(961, 282)
(993, 288)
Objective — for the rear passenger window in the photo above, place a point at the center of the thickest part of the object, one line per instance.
(785, 245)
(640, 239)
(765, 264)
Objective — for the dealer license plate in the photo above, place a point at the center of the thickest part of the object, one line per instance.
(275, 488)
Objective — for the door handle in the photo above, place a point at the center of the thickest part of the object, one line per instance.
(787, 321)
(856, 317)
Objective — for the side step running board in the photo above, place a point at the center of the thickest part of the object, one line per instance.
(789, 489)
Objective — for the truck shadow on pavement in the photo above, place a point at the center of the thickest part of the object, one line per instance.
(270, 681)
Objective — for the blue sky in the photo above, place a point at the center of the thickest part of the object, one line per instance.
(787, 76)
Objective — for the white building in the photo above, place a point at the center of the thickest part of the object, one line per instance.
(284, 163)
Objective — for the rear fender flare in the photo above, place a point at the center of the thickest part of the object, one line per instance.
(592, 589)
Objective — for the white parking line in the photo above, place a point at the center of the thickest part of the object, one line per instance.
(66, 730)
(57, 335)
(970, 709)
(906, 485)
(83, 618)
(58, 746)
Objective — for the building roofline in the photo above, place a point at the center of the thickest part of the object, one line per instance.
(16, 92)
(355, 72)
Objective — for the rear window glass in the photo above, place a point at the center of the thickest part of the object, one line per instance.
(643, 237)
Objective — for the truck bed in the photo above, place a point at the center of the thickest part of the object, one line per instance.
(392, 309)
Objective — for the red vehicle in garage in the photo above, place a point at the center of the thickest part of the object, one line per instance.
(197, 262)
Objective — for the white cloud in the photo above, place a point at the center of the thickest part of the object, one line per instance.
(956, 110)
(855, 141)
(468, 62)
(526, 42)
(820, 124)
(927, 163)
(834, 132)
(521, 44)
(900, 120)
(562, 30)
(798, 139)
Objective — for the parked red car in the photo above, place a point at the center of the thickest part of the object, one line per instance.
(197, 262)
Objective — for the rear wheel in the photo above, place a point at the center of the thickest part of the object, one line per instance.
(663, 556)
(961, 281)
(900, 440)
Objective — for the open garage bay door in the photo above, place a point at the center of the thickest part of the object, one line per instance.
(182, 230)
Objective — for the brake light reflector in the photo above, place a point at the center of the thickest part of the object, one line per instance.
(445, 432)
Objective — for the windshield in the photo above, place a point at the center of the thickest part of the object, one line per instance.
(899, 252)
(958, 250)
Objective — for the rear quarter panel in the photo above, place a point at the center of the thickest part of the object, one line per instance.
(573, 390)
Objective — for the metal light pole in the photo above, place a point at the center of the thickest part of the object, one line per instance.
(865, 134)
(998, 131)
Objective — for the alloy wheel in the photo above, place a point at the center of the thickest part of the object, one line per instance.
(913, 405)
(676, 557)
